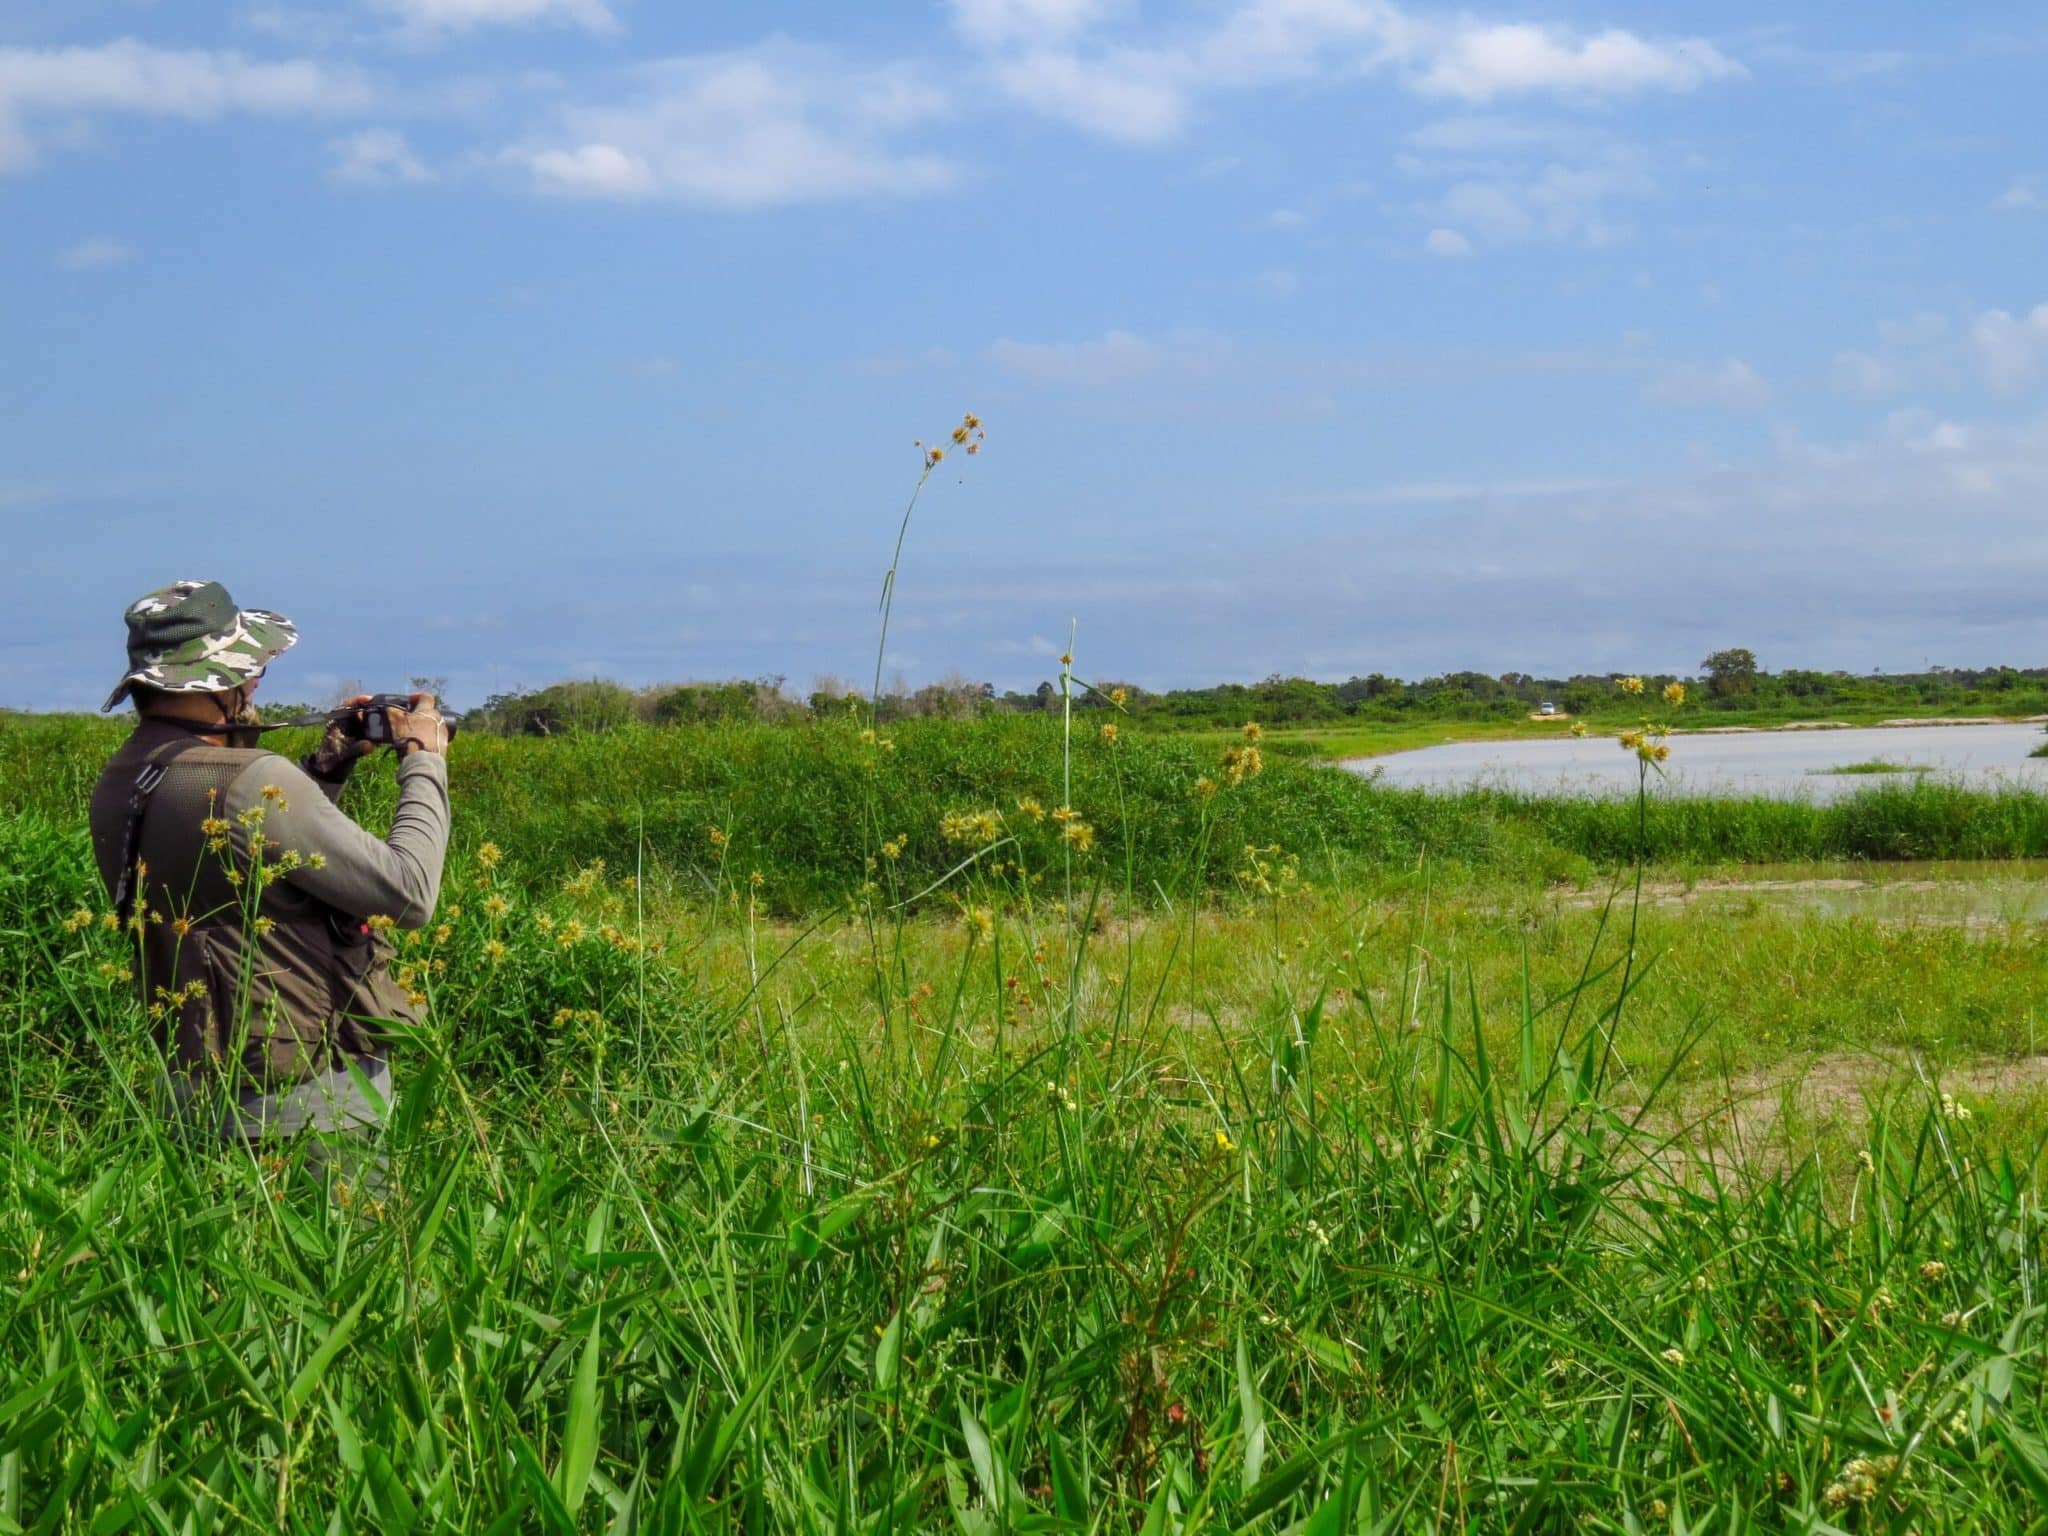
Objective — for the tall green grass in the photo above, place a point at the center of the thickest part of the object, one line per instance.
(794, 803)
(665, 1258)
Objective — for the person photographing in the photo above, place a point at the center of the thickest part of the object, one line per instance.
(258, 907)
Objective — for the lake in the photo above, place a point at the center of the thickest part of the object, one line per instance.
(1737, 763)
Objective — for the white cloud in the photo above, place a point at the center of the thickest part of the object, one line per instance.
(1287, 218)
(764, 126)
(1483, 63)
(136, 79)
(2011, 348)
(378, 157)
(2023, 194)
(1920, 432)
(1566, 203)
(1865, 374)
(1131, 96)
(1037, 645)
(1116, 359)
(1732, 385)
(1145, 92)
(1476, 133)
(425, 17)
(1447, 243)
(1278, 283)
(95, 254)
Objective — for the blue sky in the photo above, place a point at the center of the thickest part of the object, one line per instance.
(509, 340)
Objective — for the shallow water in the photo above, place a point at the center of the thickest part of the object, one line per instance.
(1775, 763)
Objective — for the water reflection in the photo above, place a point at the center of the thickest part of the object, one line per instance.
(1776, 763)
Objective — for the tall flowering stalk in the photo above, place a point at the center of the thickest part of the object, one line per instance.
(968, 437)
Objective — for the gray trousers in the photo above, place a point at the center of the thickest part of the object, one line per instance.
(344, 1113)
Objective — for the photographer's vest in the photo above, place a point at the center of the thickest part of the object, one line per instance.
(233, 968)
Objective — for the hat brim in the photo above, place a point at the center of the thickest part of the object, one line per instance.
(215, 663)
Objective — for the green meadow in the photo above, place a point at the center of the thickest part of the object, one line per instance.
(972, 1126)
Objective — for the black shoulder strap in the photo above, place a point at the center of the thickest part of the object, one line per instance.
(153, 770)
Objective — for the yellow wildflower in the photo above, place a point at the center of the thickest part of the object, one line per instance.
(82, 918)
(379, 923)
(494, 949)
(1204, 787)
(263, 926)
(973, 829)
(1079, 835)
(544, 922)
(1629, 684)
(1674, 694)
(1119, 697)
(1223, 1142)
(1253, 731)
(275, 796)
(488, 855)
(1241, 763)
(1030, 807)
(496, 906)
(1109, 733)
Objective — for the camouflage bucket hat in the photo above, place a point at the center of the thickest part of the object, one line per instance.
(190, 637)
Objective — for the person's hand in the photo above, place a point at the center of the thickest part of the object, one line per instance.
(419, 728)
(342, 743)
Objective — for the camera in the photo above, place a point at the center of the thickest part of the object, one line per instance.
(371, 720)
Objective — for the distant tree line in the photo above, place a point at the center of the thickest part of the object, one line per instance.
(1727, 681)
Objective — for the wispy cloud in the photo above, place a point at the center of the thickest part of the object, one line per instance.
(1863, 374)
(1447, 243)
(378, 157)
(95, 254)
(1566, 203)
(2025, 195)
(427, 18)
(1065, 59)
(132, 78)
(1117, 358)
(775, 124)
(1732, 385)
(2012, 349)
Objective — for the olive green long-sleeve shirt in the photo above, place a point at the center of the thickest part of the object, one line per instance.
(296, 995)
(356, 873)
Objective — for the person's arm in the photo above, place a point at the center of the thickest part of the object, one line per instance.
(340, 863)
(342, 746)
